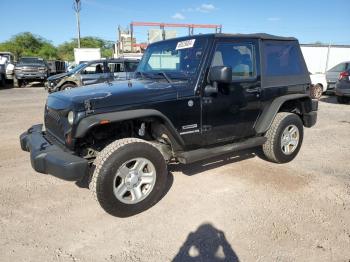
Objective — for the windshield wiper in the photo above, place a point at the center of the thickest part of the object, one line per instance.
(162, 73)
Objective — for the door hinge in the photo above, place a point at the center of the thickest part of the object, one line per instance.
(207, 100)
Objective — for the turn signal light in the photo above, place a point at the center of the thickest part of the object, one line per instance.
(104, 121)
(69, 139)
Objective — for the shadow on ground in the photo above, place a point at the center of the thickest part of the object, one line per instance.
(329, 99)
(30, 85)
(207, 243)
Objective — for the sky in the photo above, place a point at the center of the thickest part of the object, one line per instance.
(310, 21)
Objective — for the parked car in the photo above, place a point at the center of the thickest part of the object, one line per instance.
(342, 87)
(192, 98)
(93, 72)
(30, 69)
(333, 74)
(7, 61)
(319, 85)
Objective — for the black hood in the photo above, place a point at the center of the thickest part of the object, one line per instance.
(124, 94)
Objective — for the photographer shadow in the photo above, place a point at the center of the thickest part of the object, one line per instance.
(206, 244)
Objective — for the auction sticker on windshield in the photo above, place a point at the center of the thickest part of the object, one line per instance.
(185, 44)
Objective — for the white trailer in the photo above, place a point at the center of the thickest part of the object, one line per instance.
(320, 58)
(86, 54)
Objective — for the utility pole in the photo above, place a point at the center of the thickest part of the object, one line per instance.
(77, 8)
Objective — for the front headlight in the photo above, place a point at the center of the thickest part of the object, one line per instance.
(71, 117)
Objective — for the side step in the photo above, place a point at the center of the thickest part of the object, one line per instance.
(204, 153)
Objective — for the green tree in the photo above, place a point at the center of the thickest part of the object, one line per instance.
(27, 44)
(66, 50)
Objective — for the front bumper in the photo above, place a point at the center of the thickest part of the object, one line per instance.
(51, 159)
(31, 76)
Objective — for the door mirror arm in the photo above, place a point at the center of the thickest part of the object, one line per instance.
(211, 89)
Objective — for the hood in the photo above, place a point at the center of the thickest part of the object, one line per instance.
(58, 76)
(114, 94)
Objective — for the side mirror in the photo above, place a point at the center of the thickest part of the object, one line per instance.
(220, 74)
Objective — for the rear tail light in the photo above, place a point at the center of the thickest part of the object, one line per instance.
(343, 75)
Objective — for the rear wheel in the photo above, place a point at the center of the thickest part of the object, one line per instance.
(130, 176)
(316, 91)
(284, 138)
(2, 80)
(15, 82)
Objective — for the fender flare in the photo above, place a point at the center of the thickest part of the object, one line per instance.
(91, 121)
(268, 115)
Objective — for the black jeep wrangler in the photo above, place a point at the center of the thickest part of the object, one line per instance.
(192, 98)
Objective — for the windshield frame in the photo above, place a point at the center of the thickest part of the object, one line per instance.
(78, 68)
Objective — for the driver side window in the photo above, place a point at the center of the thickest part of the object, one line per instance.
(95, 68)
(240, 57)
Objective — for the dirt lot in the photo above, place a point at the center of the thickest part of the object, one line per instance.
(237, 207)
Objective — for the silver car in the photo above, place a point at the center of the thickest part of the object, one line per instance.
(332, 74)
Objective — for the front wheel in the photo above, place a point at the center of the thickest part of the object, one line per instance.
(68, 86)
(130, 176)
(284, 138)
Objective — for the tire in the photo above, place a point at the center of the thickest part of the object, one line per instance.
(15, 82)
(67, 86)
(275, 146)
(108, 178)
(316, 91)
(342, 100)
(2, 81)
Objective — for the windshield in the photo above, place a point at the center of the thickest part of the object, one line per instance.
(177, 59)
(31, 60)
(77, 68)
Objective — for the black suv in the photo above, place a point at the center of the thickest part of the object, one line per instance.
(92, 72)
(192, 98)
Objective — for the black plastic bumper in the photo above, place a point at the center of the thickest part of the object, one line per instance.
(343, 91)
(310, 119)
(51, 159)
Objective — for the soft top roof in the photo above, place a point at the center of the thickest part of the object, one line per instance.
(259, 36)
(221, 35)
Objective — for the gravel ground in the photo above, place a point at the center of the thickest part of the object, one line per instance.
(236, 207)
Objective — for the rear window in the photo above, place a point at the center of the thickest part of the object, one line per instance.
(338, 68)
(282, 59)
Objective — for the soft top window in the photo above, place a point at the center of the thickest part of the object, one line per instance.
(282, 59)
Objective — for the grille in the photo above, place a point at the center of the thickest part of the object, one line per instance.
(54, 124)
(30, 70)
